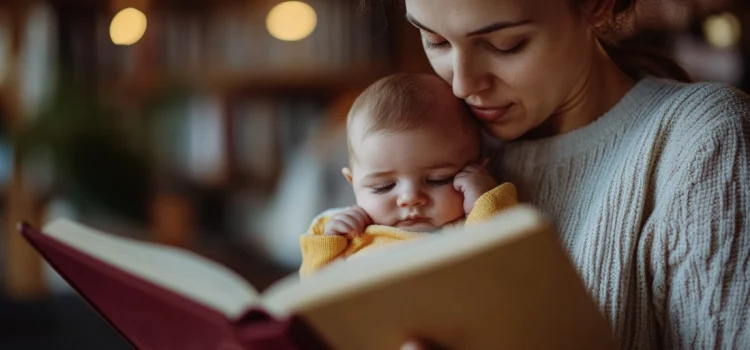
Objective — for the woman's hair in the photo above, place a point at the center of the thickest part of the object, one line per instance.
(634, 56)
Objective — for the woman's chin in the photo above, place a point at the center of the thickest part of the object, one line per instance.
(504, 132)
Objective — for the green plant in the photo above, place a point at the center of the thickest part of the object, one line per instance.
(93, 163)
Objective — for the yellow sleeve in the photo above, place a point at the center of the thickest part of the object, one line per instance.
(318, 249)
(493, 202)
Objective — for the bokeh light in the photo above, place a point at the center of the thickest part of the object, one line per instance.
(291, 21)
(127, 27)
(722, 31)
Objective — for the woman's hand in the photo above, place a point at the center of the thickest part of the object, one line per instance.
(420, 344)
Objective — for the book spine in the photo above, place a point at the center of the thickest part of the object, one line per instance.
(258, 330)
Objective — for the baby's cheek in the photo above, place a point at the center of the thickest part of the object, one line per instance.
(450, 203)
(378, 207)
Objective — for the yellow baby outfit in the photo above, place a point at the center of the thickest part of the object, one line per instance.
(318, 249)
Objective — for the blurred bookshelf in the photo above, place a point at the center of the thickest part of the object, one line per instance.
(203, 111)
(234, 71)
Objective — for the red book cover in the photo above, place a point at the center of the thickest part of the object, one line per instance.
(151, 317)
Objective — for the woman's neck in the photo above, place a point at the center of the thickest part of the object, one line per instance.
(600, 89)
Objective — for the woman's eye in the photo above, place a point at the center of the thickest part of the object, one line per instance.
(441, 182)
(382, 189)
(513, 49)
(429, 45)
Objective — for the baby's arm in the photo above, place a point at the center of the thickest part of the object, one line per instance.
(473, 181)
(329, 237)
(482, 199)
(493, 202)
(349, 223)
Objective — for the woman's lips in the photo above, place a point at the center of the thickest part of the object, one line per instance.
(490, 114)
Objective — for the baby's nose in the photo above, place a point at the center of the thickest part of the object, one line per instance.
(412, 198)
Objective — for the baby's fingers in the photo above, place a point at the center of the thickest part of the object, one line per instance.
(474, 168)
(362, 216)
(335, 228)
(460, 182)
(355, 224)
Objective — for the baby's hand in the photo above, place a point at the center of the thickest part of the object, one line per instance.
(473, 181)
(349, 223)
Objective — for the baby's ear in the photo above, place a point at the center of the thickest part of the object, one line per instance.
(347, 174)
(485, 161)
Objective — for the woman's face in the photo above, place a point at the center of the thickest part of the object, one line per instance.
(515, 62)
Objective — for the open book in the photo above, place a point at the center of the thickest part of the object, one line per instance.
(503, 284)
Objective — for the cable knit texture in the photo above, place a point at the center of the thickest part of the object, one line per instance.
(652, 204)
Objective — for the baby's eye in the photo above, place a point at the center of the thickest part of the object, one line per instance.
(440, 182)
(382, 189)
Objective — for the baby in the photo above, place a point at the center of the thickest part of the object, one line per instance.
(415, 167)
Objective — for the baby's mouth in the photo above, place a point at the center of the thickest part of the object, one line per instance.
(414, 220)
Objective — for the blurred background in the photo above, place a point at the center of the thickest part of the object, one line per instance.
(215, 126)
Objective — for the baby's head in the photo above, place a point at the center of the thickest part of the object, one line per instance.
(408, 137)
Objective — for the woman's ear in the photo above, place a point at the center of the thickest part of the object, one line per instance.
(598, 12)
(347, 174)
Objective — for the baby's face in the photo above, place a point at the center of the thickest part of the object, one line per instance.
(405, 179)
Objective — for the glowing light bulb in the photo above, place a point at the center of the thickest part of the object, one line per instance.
(722, 31)
(291, 21)
(127, 27)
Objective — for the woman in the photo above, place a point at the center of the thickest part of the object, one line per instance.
(647, 179)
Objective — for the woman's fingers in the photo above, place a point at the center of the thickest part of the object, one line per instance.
(420, 344)
(412, 345)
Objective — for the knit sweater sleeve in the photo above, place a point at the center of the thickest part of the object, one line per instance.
(703, 219)
(493, 202)
(318, 249)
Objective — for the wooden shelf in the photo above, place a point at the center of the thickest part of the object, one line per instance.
(320, 81)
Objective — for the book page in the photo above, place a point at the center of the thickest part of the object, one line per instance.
(177, 270)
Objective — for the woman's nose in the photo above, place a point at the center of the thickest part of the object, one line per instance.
(469, 76)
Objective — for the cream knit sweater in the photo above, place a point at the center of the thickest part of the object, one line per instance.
(653, 205)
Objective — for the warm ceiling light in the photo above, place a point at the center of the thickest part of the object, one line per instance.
(291, 21)
(127, 27)
(722, 31)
